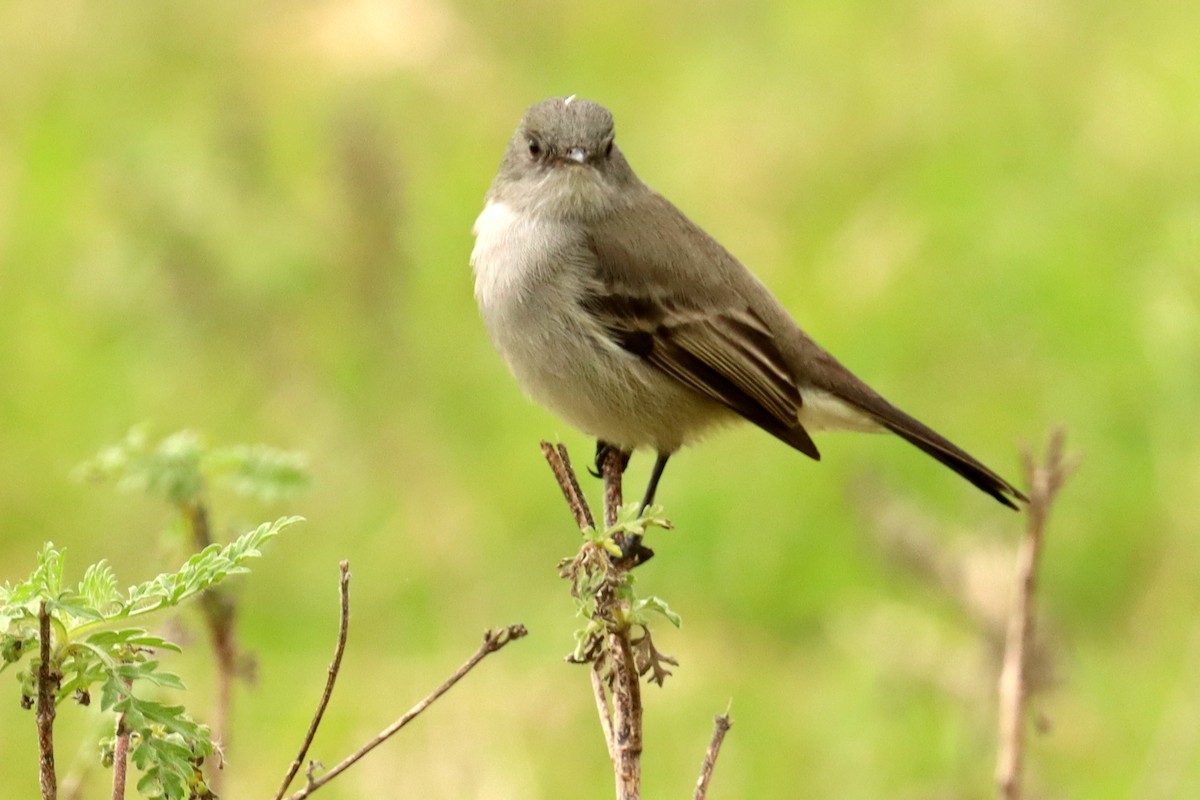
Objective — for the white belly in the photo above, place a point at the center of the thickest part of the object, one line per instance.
(530, 274)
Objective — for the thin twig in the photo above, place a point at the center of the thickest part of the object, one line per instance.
(602, 709)
(47, 689)
(575, 488)
(1045, 480)
(120, 759)
(492, 641)
(627, 716)
(560, 464)
(721, 726)
(619, 693)
(624, 681)
(331, 678)
(612, 468)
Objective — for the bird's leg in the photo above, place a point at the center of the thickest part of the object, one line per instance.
(660, 463)
(633, 547)
(611, 462)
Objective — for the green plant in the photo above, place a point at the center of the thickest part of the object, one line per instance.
(75, 640)
(606, 595)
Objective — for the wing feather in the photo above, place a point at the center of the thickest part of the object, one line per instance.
(730, 356)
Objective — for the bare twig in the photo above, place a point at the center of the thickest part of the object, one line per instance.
(120, 759)
(47, 689)
(625, 681)
(560, 463)
(627, 716)
(566, 459)
(612, 467)
(492, 641)
(721, 726)
(331, 678)
(1045, 480)
(616, 680)
(602, 709)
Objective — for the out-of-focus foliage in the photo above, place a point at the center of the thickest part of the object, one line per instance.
(177, 468)
(253, 219)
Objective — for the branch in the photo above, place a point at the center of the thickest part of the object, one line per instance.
(627, 716)
(492, 641)
(560, 464)
(612, 467)
(721, 726)
(1045, 480)
(120, 759)
(603, 710)
(47, 688)
(334, 667)
(618, 690)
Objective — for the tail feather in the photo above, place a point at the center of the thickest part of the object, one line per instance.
(958, 460)
(930, 441)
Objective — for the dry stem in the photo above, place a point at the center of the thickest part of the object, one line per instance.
(1045, 480)
(47, 689)
(492, 641)
(627, 716)
(721, 726)
(560, 463)
(331, 678)
(602, 709)
(619, 693)
(120, 759)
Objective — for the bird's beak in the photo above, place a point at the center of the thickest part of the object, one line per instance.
(577, 154)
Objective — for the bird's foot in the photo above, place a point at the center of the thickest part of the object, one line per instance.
(634, 552)
(604, 451)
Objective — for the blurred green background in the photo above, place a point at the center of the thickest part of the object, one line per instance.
(253, 219)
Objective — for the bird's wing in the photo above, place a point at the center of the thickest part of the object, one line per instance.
(655, 294)
(664, 290)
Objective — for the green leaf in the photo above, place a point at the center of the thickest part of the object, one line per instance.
(210, 565)
(72, 604)
(148, 671)
(658, 605)
(99, 587)
(14, 648)
(46, 580)
(259, 471)
(170, 470)
(631, 520)
(129, 637)
(169, 747)
(177, 468)
(171, 718)
(111, 693)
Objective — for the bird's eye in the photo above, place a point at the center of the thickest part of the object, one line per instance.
(608, 148)
(535, 149)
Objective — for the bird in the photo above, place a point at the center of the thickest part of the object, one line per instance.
(618, 313)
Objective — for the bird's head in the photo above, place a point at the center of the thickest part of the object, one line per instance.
(563, 159)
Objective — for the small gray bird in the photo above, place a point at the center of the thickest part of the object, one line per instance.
(618, 313)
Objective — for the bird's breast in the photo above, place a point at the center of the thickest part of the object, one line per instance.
(531, 274)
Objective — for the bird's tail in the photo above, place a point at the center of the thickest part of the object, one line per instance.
(932, 442)
(955, 458)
